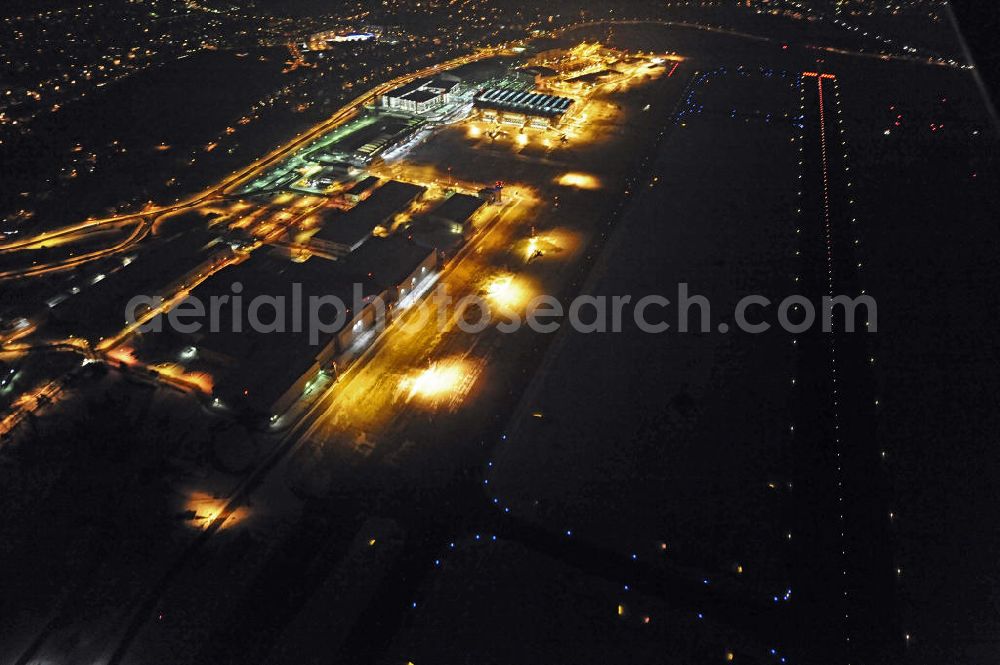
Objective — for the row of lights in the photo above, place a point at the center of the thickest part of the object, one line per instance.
(828, 241)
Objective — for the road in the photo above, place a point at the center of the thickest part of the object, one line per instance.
(344, 114)
(224, 187)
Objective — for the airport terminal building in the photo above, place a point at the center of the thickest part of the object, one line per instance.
(422, 95)
(520, 108)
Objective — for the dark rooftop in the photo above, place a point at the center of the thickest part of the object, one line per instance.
(355, 226)
(409, 87)
(407, 90)
(388, 261)
(442, 84)
(363, 185)
(261, 385)
(266, 364)
(435, 235)
(459, 208)
(545, 72)
(594, 76)
(269, 275)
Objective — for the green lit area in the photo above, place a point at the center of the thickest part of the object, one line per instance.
(339, 155)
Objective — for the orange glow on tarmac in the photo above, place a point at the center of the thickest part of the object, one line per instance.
(124, 355)
(579, 180)
(199, 380)
(505, 292)
(444, 382)
(532, 249)
(207, 508)
(435, 381)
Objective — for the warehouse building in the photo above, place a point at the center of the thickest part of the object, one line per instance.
(446, 228)
(441, 238)
(263, 371)
(342, 233)
(539, 76)
(395, 265)
(361, 189)
(458, 210)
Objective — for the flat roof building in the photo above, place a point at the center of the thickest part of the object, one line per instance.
(396, 265)
(528, 103)
(446, 228)
(444, 239)
(540, 72)
(264, 368)
(459, 209)
(362, 188)
(422, 95)
(343, 233)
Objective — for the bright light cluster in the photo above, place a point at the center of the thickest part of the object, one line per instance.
(505, 293)
(444, 382)
(579, 180)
